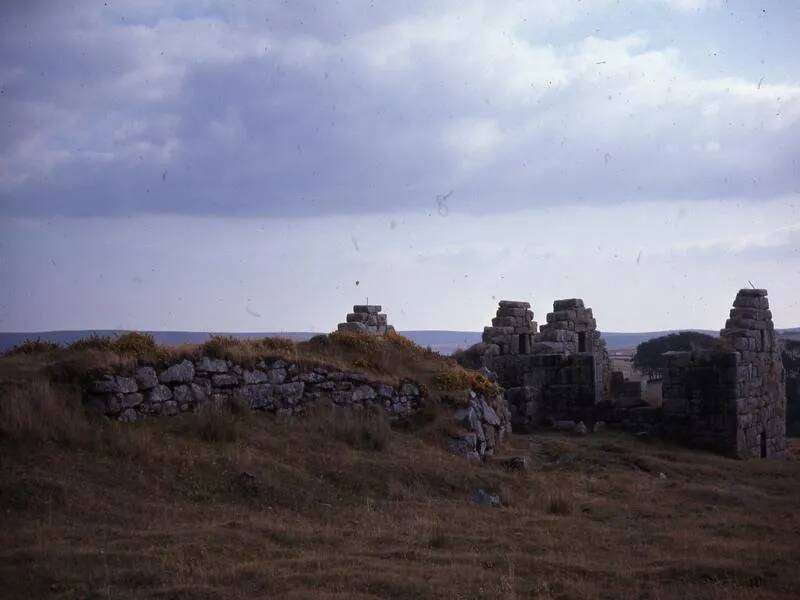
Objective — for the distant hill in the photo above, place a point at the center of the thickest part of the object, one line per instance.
(443, 341)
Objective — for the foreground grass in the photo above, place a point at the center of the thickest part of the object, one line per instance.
(317, 509)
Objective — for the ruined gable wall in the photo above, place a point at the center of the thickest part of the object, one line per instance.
(561, 371)
(731, 400)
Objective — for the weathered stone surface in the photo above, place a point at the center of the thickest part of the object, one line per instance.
(132, 400)
(212, 365)
(363, 392)
(258, 396)
(276, 375)
(409, 389)
(353, 327)
(514, 304)
(289, 392)
(183, 372)
(146, 378)
(128, 415)
(252, 377)
(224, 380)
(567, 303)
(107, 385)
(182, 394)
(373, 309)
(127, 385)
(160, 393)
(482, 498)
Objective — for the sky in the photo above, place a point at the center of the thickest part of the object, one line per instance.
(263, 166)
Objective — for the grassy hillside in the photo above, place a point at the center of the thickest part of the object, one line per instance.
(234, 504)
(165, 509)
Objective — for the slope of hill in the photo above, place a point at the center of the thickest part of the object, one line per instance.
(270, 508)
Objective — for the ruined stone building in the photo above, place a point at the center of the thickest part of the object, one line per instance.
(731, 400)
(561, 371)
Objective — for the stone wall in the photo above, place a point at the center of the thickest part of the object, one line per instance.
(274, 385)
(732, 400)
(790, 352)
(281, 387)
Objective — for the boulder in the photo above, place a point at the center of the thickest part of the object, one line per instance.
(276, 375)
(183, 372)
(128, 415)
(106, 385)
(363, 392)
(132, 400)
(146, 378)
(253, 377)
(483, 498)
(224, 380)
(158, 394)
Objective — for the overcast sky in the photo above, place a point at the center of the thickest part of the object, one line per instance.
(262, 166)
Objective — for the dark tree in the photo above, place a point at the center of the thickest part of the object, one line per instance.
(649, 359)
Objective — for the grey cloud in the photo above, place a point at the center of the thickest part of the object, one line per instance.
(353, 109)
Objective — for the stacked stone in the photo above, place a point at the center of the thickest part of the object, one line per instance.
(367, 319)
(569, 319)
(482, 424)
(512, 329)
(749, 328)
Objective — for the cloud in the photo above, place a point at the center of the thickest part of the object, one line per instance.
(296, 110)
(692, 5)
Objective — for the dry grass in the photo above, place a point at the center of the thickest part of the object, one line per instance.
(307, 509)
(229, 504)
(35, 411)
